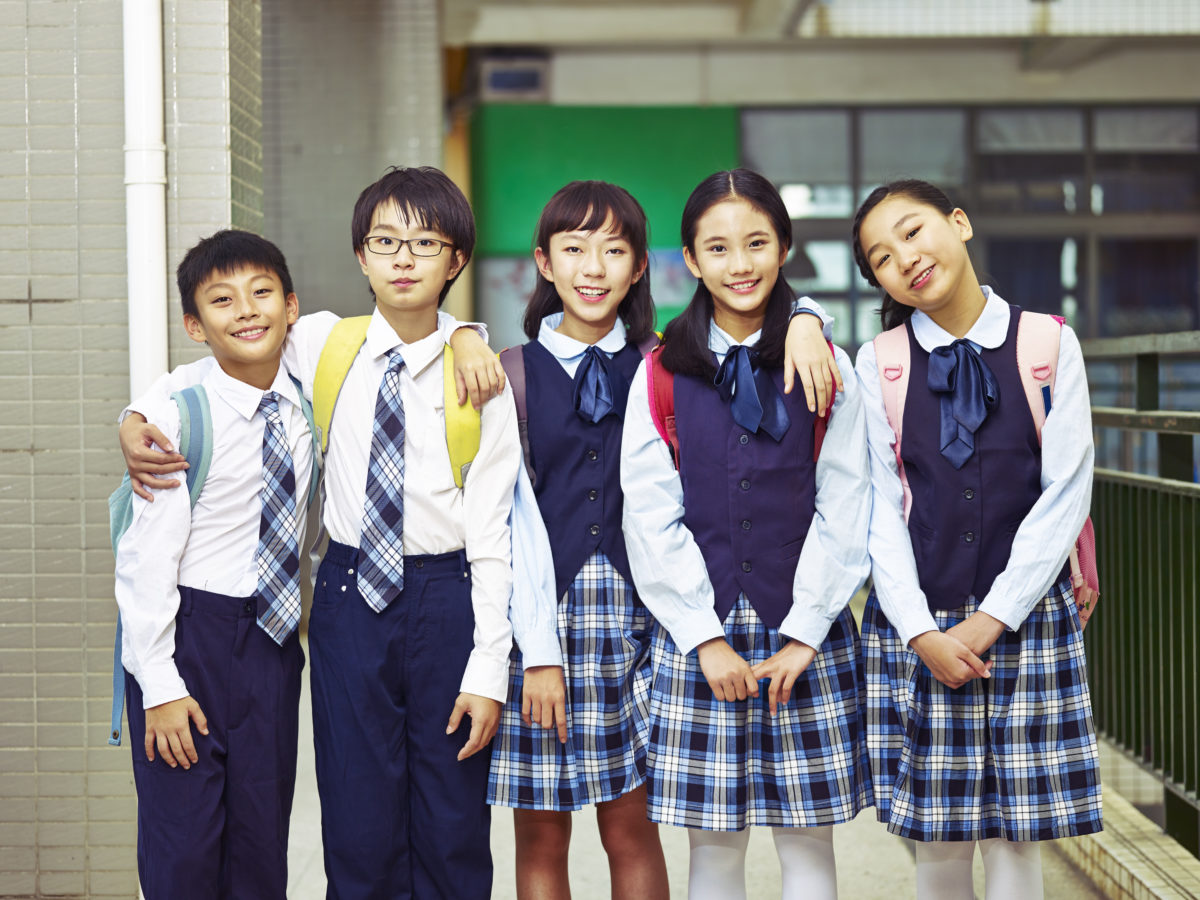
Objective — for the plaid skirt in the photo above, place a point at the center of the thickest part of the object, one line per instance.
(604, 631)
(721, 766)
(1012, 756)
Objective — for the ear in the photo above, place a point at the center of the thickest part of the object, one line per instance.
(362, 259)
(637, 276)
(194, 328)
(959, 219)
(543, 264)
(690, 262)
(784, 250)
(292, 306)
(460, 260)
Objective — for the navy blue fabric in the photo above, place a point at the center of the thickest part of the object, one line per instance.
(578, 464)
(963, 519)
(400, 816)
(220, 828)
(593, 396)
(967, 392)
(753, 399)
(748, 500)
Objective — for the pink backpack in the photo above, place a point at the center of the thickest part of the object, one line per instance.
(1037, 356)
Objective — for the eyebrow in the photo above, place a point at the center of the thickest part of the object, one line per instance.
(583, 235)
(228, 285)
(899, 222)
(718, 237)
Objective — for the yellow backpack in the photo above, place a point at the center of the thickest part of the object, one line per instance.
(348, 335)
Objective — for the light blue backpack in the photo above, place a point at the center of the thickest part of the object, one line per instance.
(195, 444)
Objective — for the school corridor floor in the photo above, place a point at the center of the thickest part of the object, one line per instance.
(872, 864)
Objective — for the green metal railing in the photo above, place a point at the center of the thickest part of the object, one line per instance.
(1144, 642)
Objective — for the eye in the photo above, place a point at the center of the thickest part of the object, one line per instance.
(758, 243)
(383, 242)
(716, 248)
(881, 260)
(259, 292)
(571, 248)
(425, 242)
(219, 300)
(912, 233)
(617, 251)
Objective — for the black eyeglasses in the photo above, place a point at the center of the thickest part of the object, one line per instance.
(390, 246)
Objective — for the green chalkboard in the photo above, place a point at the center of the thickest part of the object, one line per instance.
(521, 154)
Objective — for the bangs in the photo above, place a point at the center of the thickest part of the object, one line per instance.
(589, 206)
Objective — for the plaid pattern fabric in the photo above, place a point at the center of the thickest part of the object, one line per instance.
(1012, 756)
(278, 554)
(381, 541)
(722, 766)
(605, 632)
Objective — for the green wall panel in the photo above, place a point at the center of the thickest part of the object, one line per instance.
(521, 154)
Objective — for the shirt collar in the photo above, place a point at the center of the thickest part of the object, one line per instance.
(989, 330)
(719, 340)
(244, 398)
(381, 339)
(567, 348)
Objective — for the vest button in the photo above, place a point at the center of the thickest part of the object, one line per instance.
(592, 495)
(969, 537)
(969, 494)
(745, 524)
(746, 567)
(593, 455)
(744, 484)
(594, 530)
(744, 439)
(248, 608)
(420, 564)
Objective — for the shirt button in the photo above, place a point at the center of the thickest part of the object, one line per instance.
(592, 495)
(969, 494)
(594, 530)
(593, 455)
(744, 439)
(746, 567)
(744, 484)
(969, 536)
(745, 524)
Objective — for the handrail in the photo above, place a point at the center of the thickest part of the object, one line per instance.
(1172, 344)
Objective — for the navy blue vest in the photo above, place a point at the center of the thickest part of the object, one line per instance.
(578, 464)
(963, 520)
(748, 501)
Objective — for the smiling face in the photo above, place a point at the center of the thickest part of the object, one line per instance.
(244, 316)
(919, 257)
(738, 255)
(591, 271)
(408, 287)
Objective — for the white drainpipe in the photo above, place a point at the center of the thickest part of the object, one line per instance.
(145, 192)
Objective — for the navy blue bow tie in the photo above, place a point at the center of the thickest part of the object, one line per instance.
(593, 387)
(751, 394)
(968, 392)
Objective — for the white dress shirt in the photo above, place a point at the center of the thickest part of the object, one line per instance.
(1045, 536)
(211, 547)
(667, 564)
(534, 607)
(438, 516)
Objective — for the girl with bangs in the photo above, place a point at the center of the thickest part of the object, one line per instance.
(576, 728)
(747, 544)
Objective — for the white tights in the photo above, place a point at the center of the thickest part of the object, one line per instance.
(717, 870)
(1011, 869)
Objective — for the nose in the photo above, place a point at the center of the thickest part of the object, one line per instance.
(739, 260)
(404, 259)
(593, 263)
(244, 306)
(911, 257)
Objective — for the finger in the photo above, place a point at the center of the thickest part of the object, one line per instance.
(164, 750)
(560, 713)
(151, 432)
(526, 708)
(141, 492)
(149, 745)
(821, 387)
(975, 664)
(456, 715)
(773, 695)
(476, 392)
(474, 743)
(738, 688)
(498, 377)
(836, 371)
(175, 739)
(718, 689)
(460, 385)
(750, 683)
(789, 374)
(810, 393)
(188, 748)
(788, 681)
(156, 465)
(546, 719)
(200, 719)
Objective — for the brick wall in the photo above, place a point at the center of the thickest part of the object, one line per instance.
(66, 801)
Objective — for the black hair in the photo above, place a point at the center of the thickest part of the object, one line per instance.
(224, 253)
(425, 196)
(685, 338)
(587, 206)
(892, 312)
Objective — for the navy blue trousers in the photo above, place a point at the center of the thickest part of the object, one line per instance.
(400, 816)
(220, 828)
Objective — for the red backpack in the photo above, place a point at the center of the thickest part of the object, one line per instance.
(1037, 359)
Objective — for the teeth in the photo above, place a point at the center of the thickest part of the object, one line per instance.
(743, 285)
(251, 332)
(922, 275)
(592, 292)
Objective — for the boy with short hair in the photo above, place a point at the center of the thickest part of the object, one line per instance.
(409, 628)
(210, 597)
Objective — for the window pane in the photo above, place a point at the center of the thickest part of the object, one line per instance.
(1031, 160)
(1148, 286)
(805, 153)
(1030, 130)
(1154, 130)
(818, 266)
(914, 143)
(1041, 275)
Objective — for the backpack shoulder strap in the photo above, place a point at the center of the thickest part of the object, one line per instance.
(649, 342)
(341, 347)
(462, 423)
(893, 358)
(660, 383)
(513, 361)
(315, 470)
(195, 444)
(1038, 336)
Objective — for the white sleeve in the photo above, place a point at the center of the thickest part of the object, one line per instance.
(811, 306)
(534, 606)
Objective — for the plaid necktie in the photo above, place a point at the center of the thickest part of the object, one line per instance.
(278, 555)
(381, 542)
